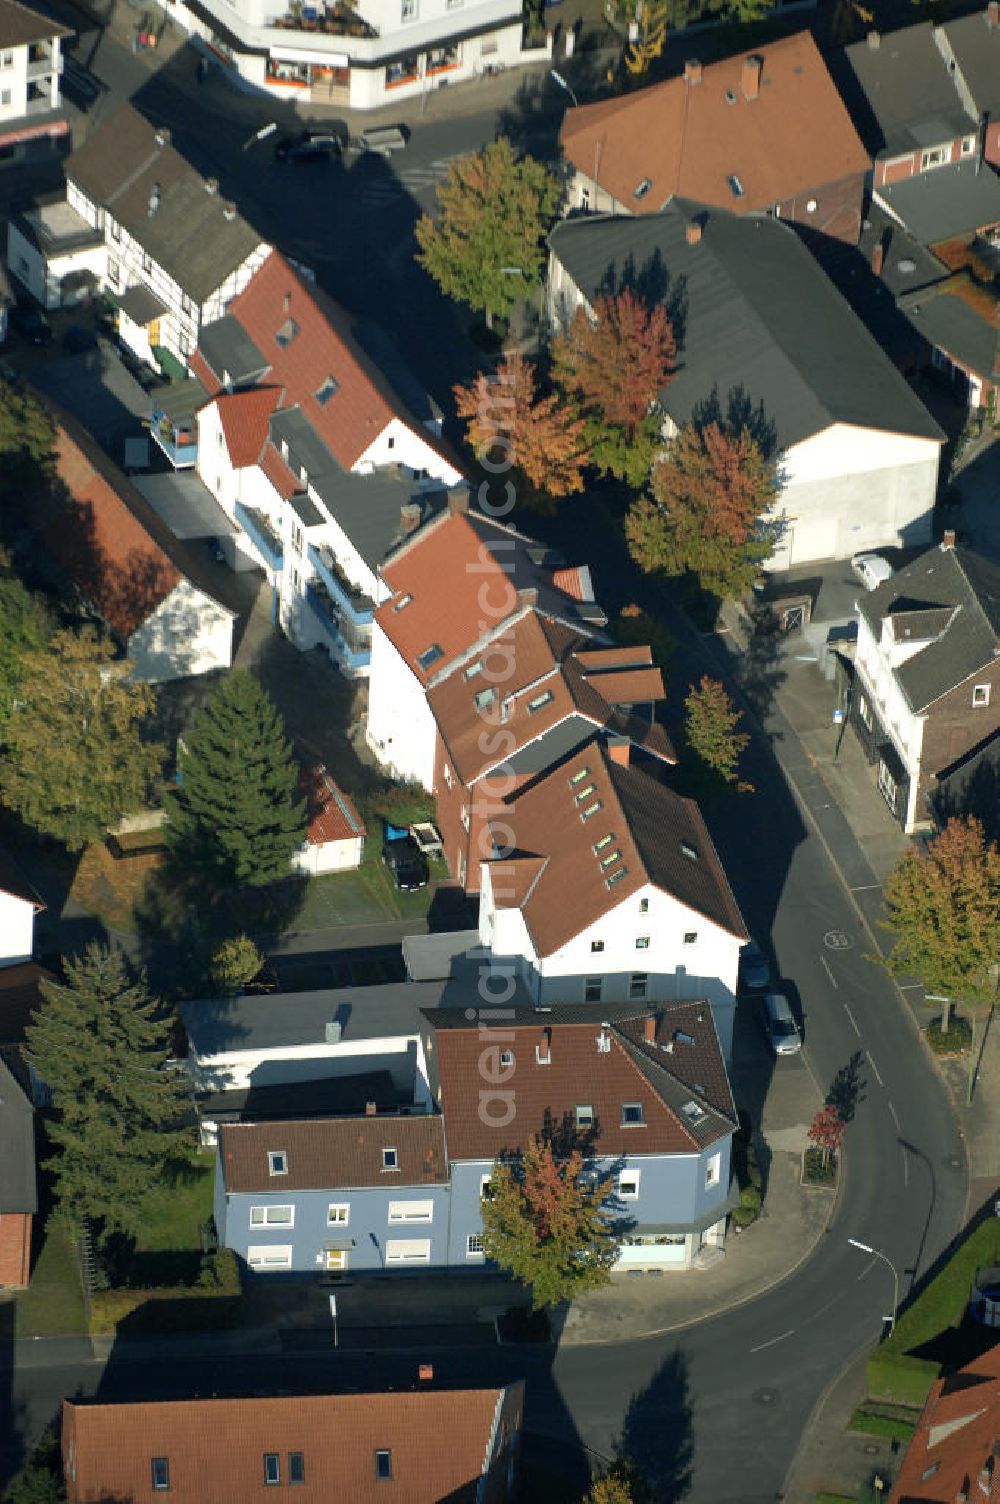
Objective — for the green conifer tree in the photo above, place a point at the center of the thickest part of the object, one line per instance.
(100, 1042)
(236, 815)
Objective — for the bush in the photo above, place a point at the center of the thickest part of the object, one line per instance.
(888, 1426)
(954, 1041)
(819, 1170)
(209, 1305)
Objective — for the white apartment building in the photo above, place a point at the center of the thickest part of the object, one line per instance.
(31, 66)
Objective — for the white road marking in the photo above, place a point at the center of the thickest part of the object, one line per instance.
(874, 1067)
(908, 986)
(826, 967)
(895, 1118)
(866, 888)
(761, 1345)
(854, 1022)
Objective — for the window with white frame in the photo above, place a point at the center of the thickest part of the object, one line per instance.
(642, 942)
(968, 145)
(713, 1169)
(474, 1246)
(934, 156)
(277, 1161)
(865, 712)
(390, 1159)
(268, 1256)
(114, 229)
(6, 59)
(628, 1185)
(690, 937)
(114, 273)
(448, 780)
(272, 1468)
(981, 696)
(596, 946)
(5, 96)
(296, 538)
(272, 1216)
(633, 1115)
(408, 1251)
(411, 1211)
(465, 818)
(484, 1185)
(408, 10)
(161, 1473)
(338, 1214)
(147, 262)
(584, 1115)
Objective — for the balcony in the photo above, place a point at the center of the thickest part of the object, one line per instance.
(358, 607)
(261, 535)
(178, 439)
(335, 19)
(43, 65)
(351, 647)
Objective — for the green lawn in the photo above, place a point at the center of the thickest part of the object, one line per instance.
(53, 1305)
(942, 1304)
(174, 1214)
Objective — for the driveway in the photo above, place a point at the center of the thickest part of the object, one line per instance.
(97, 389)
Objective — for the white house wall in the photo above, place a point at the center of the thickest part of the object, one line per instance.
(877, 681)
(42, 278)
(399, 444)
(329, 856)
(188, 633)
(17, 925)
(239, 1070)
(400, 729)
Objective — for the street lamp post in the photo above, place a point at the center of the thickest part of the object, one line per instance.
(558, 78)
(878, 1254)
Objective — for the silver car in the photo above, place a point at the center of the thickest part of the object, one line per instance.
(779, 1023)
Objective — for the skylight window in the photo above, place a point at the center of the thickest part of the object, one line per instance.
(592, 809)
(693, 1111)
(473, 669)
(287, 333)
(735, 186)
(539, 701)
(430, 655)
(691, 852)
(485, 698)
(616, 876)
(641, 189)
(610, 859)
(602, 843)
(402, 603)
(326, 391)
(579, 777)
(585, 793)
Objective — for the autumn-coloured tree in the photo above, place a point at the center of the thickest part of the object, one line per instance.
(711, 493)
(710, 727)
(826, 1132)
(623, 1483)
(634, 627)
(943, 904)
(486, 246)
(540, 437)
(545, 1220)
(611, 368)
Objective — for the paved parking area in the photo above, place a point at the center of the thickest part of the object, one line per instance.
(94, 386)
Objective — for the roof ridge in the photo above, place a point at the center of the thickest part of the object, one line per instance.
(622, 1042)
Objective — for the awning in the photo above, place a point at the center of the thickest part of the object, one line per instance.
(338, 1245)
(139, 305)
(318, 59)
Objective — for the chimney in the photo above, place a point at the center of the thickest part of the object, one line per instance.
(619, 750)
(154, 200)
(458, 500)
(286, 303)
(333, 1031)
(543, 1049)
(878, 258)
(425, 1373)
(874, 41)
(211, 185)
(753, 67)
(162, 136)
(993, 15)
(409, 518)
(692, 232)
(371, 1110)
(692, 71)
(948, 538)
(649, 1028)
(229, 211)
(528, 596)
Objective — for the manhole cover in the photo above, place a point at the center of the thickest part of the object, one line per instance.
(764, 1396)
(837, 940)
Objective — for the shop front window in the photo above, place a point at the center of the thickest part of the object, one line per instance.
(405, 71)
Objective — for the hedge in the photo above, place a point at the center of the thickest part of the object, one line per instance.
(175, 1308)
(881, 1425)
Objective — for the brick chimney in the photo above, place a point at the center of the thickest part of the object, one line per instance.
(874, 41)
(692, 232)
(162, 136)
(211, 185)
(753, 67)
(370, 1109)
(993, 15)
(948, 538)
(878, 258)
(619, 750)
(425, 1372)
(692, 71)
(649, 1029)
(458, 500)
(409, 518)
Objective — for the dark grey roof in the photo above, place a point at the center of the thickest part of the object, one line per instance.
(976, 46)
(430, 958)
(226, 346)
(333, 1096)
(908, 90)
(383, 350)
(18, 1189)
(141, 306)
(278, 1020)
(950, 577)
(20, 25)
(763, 330)
(551, 748)
(306, 509)
(369, 507)
(954, 326)
(950, 201)
(305, 447)
(907, 265)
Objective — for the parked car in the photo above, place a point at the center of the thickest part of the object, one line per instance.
(779, 1023)
(872, 570)
(755, 971)
(384, 138)
(32, 324)
(77, 340)
(309, 146)
(406, 862)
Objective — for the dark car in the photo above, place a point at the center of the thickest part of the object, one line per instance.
(32, 324)
(77, 340)
(406, 862)
(309, 146)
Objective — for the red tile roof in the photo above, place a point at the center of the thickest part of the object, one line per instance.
(441, 1441)
(954, 1446)
(19, 998)
(328, 1152)
(203, 372)
(581, 1071)
(103, 545)
(661, 839)
(244, 416)
(332, 816)
(282, 477)
(689, 139)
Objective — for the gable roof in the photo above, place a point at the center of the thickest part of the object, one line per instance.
(332, 816)
(554, 677)
(20, 25)
(244, 418)
(18, 1190)
(660, 837)
(955, 1437)
(911, 100)
(214, 1447)
(108, 538)
(958, 316)
(966, 635)
(126, 165)
(690, 139)
(630, 1070)
(975, 42)
(761, 320)
(443, 575)
(333, 1152)
(947, 203)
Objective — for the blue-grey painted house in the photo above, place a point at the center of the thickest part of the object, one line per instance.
(644, 1093)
